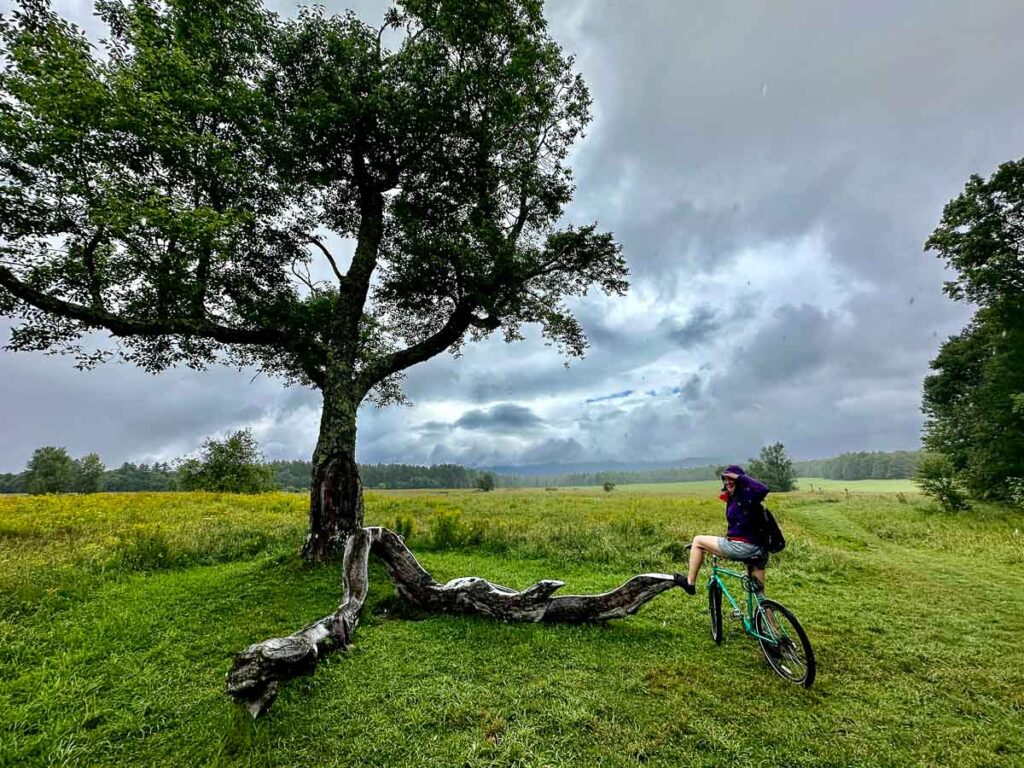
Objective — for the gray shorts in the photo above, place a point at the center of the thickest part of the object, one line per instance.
(740, 550)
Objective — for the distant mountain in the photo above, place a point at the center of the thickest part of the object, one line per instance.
(535, 470)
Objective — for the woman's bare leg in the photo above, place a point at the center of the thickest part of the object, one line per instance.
(700, 544)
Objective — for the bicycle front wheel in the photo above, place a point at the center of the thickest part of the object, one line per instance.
(715, 611)
(784, 643)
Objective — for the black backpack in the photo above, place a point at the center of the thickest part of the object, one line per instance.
(771, 534)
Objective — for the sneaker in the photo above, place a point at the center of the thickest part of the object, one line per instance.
(681, 581)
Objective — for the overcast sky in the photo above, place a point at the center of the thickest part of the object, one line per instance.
(772, 170)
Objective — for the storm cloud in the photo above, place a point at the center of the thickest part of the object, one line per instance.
(772, 170)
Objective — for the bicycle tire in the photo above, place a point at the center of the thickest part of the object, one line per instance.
(715, 611)
(792, 659)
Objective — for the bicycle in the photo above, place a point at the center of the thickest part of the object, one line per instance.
(787, 650)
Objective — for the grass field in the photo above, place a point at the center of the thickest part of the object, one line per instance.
(119, 615)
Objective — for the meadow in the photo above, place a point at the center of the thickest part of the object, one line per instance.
(120, 614)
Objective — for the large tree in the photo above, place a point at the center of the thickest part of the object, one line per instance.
(174, 189)
(972, 400)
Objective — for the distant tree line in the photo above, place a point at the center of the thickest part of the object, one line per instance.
(234, 464)
(295, 475)
(52, 470)
(876, 465)
(616, 477)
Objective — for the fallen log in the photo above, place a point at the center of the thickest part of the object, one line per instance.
(259, 669)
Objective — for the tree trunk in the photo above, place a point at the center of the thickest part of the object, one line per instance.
(257, 671)
(336, 492)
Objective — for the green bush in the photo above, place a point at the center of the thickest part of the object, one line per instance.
(1016, 486)
(938, 479)
(448, 531)
(676, 552)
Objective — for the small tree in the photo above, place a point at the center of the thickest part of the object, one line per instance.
(486, 482)
(89, 474)
(50, 470)
(234, 465)
(609, 487)
(774, 468)
(938, 478)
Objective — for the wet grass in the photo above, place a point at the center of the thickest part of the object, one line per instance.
(119, 615)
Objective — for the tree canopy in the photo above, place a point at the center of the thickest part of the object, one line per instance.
(971, 401)
(232, 465)
(774, 468)
(49, 470)
(174, 190)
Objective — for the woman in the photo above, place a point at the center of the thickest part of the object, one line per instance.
(743, 541)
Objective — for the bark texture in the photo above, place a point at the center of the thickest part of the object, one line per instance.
(336, 490)
(260, 668)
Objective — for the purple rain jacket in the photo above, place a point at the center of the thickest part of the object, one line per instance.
(749, 492)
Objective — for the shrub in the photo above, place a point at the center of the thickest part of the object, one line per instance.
(403, 526)
(609, 487)
(1016, 494)
(938, 479)
(447, 531)
(676, 552)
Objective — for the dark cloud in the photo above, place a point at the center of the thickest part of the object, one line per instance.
(795, 341)
(554, 451)
(696, 329)
(434, 428)
(506, 417)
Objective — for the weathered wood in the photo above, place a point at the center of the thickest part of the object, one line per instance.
(257, 671)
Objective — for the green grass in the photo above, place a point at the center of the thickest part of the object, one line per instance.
(119, 615)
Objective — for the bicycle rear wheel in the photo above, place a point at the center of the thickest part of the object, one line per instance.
(784, 643)
(715, 611)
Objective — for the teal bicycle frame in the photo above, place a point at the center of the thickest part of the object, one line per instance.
(748, 622)
(785, 644)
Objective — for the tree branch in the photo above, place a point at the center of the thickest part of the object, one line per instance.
(89, 257)
(451, 332)
(304, 279)
(259, 669)
(121, 326)
(334, 265)
(524, 214)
